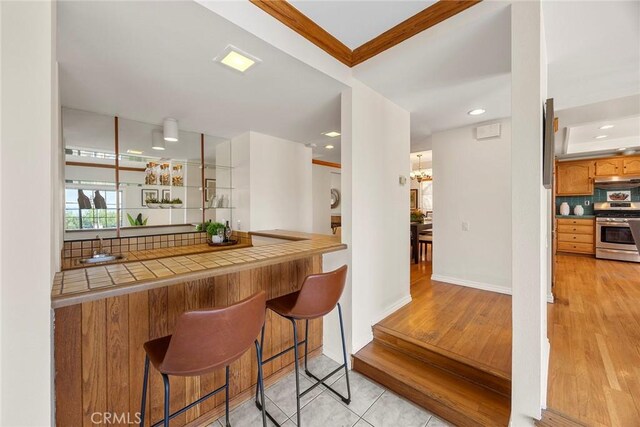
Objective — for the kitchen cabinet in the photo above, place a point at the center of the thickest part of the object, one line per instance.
(631, 165)
(575, 178)
(609, 167)
(576, 235)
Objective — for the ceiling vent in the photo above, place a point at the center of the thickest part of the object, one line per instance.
(488, 131)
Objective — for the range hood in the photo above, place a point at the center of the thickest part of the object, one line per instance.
(617, 182)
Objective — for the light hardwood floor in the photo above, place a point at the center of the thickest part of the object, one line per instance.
(472, 324)
(593, 327)
(594, 330)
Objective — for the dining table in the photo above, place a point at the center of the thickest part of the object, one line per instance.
(416, 229)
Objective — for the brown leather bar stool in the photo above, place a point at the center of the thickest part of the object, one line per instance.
(205, 340)
(318, 295)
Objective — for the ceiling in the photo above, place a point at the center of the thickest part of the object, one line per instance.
(356, 22)
(150, 60)
(624, 135)
(593, 50)
(442, 73)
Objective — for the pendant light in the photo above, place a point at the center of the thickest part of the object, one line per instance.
(157, 142)
(170, 130)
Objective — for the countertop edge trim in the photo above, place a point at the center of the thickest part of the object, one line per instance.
(118, 290)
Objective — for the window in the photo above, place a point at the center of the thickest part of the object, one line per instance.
(426, 192)
(89, 217)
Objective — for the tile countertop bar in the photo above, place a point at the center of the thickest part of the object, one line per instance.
(97, 282)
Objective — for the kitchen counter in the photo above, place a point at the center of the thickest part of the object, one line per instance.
(104, 315)
(95, 282)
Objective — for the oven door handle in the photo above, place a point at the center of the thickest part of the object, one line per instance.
(616, 251)
(614, 224)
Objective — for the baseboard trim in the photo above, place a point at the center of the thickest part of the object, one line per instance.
(391, 309)
(386, 312)
(471, 284)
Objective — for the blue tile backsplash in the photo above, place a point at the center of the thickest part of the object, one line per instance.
(599, 195)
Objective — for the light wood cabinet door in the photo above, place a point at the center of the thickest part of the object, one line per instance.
(631, 166)
(574, 178)
(609, 167)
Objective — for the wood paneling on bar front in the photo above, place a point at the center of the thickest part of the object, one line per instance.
(99, 358)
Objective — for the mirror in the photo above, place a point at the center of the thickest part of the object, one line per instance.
(159, 187)
(90, 189)
(163, 187)
(217, 180)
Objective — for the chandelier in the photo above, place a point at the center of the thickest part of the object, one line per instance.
(420, 175)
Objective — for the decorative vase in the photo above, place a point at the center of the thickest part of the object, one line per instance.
(564, 209)
(578, 210)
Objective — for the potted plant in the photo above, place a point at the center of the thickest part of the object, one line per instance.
(212, 232)
(203, 226)
(137, 221)
(417, 215)
(166, 203)
(176, 203)
(152, 202)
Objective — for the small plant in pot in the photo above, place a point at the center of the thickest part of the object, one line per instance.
(176, 203)
(213, 232)
(152, 202)
(417, 215)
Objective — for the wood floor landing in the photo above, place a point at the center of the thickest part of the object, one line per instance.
(470, 325)
(449, 350)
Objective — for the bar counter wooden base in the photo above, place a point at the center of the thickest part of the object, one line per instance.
(99, 359)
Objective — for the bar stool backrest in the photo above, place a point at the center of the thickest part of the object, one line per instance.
(320, 293)
(208, 339)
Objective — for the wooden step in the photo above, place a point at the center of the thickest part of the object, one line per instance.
(449, 396)
(471, 370)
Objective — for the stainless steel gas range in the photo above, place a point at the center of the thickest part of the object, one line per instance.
(613, 234)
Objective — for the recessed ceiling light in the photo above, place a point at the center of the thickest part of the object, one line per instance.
(622, 148)
(311, 145)
(601, 136)
(329, 147)
(476, 112)
(235, 58)
(134, 152)
(606, 127)
(332, 134)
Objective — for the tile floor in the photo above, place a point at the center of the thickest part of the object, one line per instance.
(371, 404)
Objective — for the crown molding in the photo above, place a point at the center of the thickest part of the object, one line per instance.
(303, 25)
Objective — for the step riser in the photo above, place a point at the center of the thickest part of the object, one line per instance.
(430, 404)
(485, 379)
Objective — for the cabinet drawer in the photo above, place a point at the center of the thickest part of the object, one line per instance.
(575, 229)
(583, 248)
(572, 221)
(575, 238)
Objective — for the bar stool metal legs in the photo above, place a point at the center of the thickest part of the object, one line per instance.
(294, 347)
(225, 387)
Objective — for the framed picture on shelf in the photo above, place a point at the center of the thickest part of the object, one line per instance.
(148, 194)
(210, 188)
(166, 195)
(413, 204)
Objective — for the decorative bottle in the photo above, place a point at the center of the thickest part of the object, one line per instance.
(564, 209)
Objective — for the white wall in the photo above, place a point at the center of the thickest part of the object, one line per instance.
(321, 177)
(531, 248)
(324, 179)
(28, 139)
(473, 185)
(377, 146)
(272, 183)
(280, 182)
